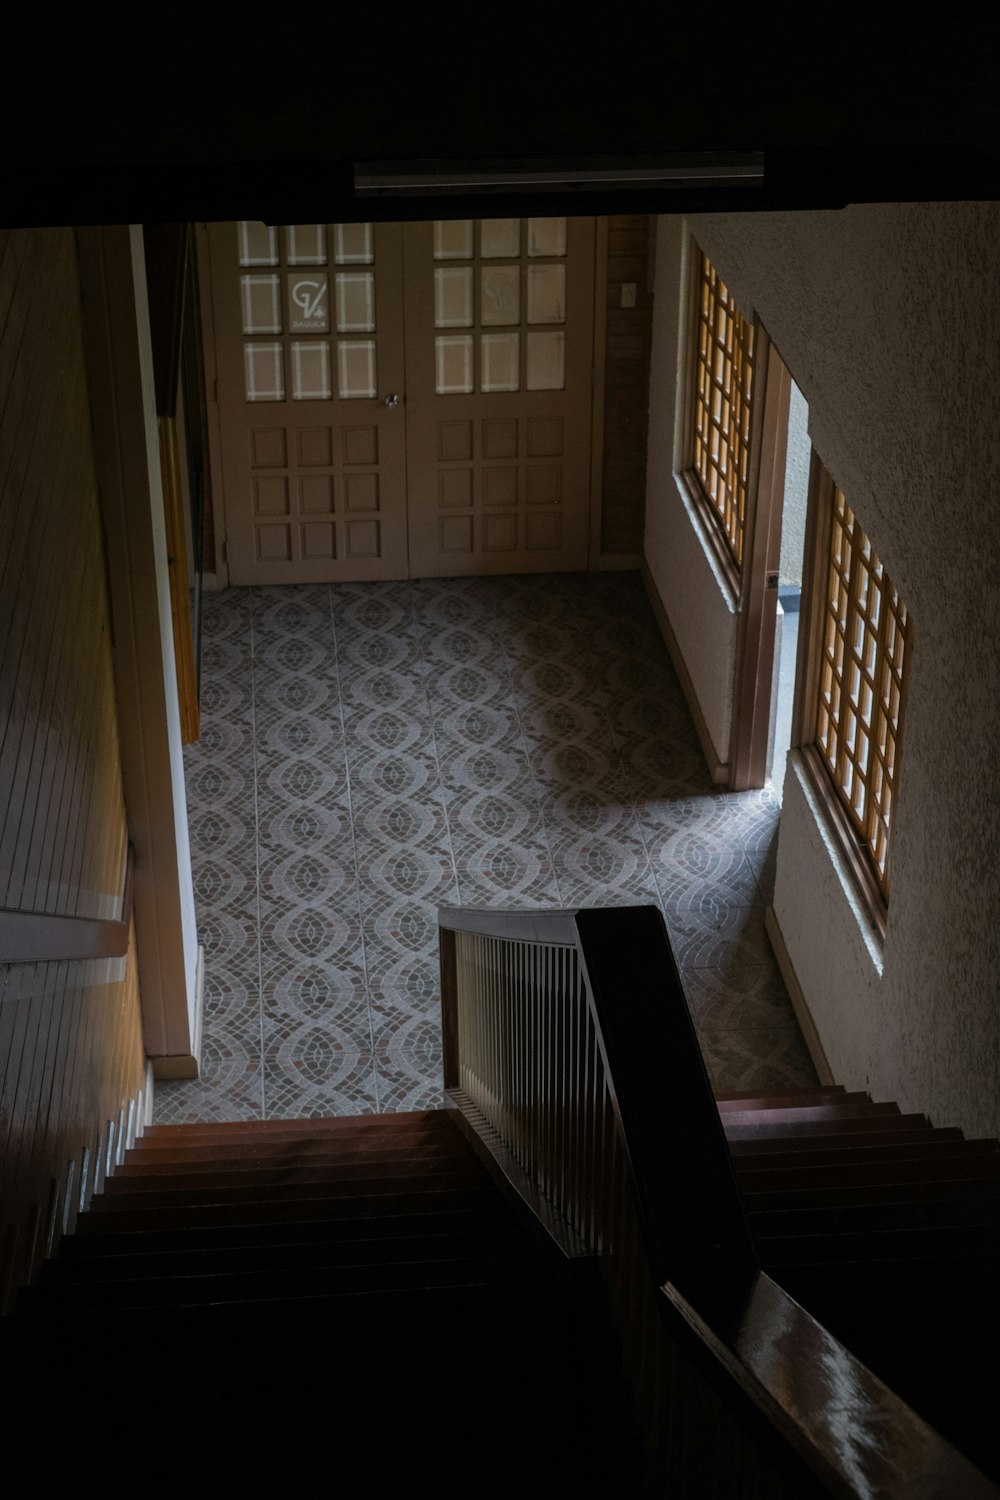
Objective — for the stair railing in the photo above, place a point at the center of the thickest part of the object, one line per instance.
(569, 1047)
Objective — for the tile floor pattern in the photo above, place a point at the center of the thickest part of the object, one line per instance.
(369, 751)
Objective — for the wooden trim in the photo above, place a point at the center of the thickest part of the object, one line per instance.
(796, 994)
(819, 518)
(30, 937)
(758, 600)
(687, 479)
(600, 341)
(203, 277)
(556, 929)
(177, 569)
(719, 770)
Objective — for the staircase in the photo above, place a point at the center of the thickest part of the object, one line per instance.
(360, 1277)
(888, 1232)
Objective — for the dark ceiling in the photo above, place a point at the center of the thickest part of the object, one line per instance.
(266, 118)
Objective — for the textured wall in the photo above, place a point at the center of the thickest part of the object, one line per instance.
(626, 384)
(793, 510)
(697, 601)
(889, 319)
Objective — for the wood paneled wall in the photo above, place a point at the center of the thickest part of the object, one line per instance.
(71, 1055)
(626, 385)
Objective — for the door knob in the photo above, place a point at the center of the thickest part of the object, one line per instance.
(392, 401)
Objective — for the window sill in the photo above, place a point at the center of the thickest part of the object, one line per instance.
(705, 522)
(848, 860)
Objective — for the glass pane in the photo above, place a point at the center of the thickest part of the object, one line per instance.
(546, 236)
(546, 294)
(453, 363)
(453, 297)
(353, 244)
(499, 238)
(500, 362)
(355, 301)
(264, 374)
(311, 371)
(546, 359)
(261, 313)
(305, 244)
(356, 369)
(308, 305)
(452, 239)
(501, 294)
(258, 244)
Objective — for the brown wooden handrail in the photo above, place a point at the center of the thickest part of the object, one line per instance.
(28, 937)
(823, 1423)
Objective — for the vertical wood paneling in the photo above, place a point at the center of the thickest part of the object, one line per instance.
(62, 827)
(72, 1062)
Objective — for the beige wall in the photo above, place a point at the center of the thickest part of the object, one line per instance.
(889, 319)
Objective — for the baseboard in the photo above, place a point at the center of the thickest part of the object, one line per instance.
(802, 1013)
(718, 770)
(147, 1098)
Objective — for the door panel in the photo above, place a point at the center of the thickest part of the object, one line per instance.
(309, 344)
(499, 354)
(483, 463)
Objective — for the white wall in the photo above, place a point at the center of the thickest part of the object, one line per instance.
(694, 593)
(888, 317)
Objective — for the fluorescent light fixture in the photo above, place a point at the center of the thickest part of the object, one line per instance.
(435, 179)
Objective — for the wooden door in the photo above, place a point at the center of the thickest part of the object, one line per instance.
(499, 358)
(309, 350)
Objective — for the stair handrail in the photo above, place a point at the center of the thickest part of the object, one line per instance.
(818, 1421)
(28, 937)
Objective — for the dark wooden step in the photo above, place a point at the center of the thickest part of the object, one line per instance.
(738, 1098)
(923, 1145)
(763, 1146)
(807, 1114)
(208, 1215)
(503, 1239)
(234, 1157)
(390, 1123)
(806, 1130)
(873, 1217)
(793, 1176)
(921, 1189)
(289, 1284)
(108, 1239)
(189, 1187)
(889, 1245)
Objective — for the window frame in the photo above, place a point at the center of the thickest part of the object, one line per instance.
(843, 820)
(713, 515)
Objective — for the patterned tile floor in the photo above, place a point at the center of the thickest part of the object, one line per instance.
(371, 750)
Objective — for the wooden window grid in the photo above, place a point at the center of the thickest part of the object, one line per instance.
(862, 684)
(723, 391)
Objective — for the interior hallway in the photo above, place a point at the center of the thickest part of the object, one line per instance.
(369, 751)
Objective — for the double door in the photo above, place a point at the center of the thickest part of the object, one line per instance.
(404, 400)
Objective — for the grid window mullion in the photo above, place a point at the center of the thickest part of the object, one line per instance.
(723, 386)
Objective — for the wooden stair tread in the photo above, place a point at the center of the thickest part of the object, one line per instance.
(836, 1219)
(232, 1156)
(795, 1176)
(763, 1145)
(737, 1098)
(808, 1114)
(921, 1189)
(402, 1121)
(193, 1187)
(803, 1130)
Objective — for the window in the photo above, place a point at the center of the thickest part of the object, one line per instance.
(861, 652)
(722, 392)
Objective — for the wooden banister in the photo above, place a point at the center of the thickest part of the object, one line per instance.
(570, 1034)
(28, 937)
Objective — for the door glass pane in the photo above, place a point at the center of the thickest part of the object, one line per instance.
(355, 301)
(500, 362)
(453, 297)
(546, 294)
(261, 312)
(453, 365)
(258, 244)
(546, 359)
(499, 238)
(265, 380)
(311, 371)
(353, 244)
(452, 239)
(546, 236)
(305, 244)
(308, 305)
(356, 369)
(501, 294)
